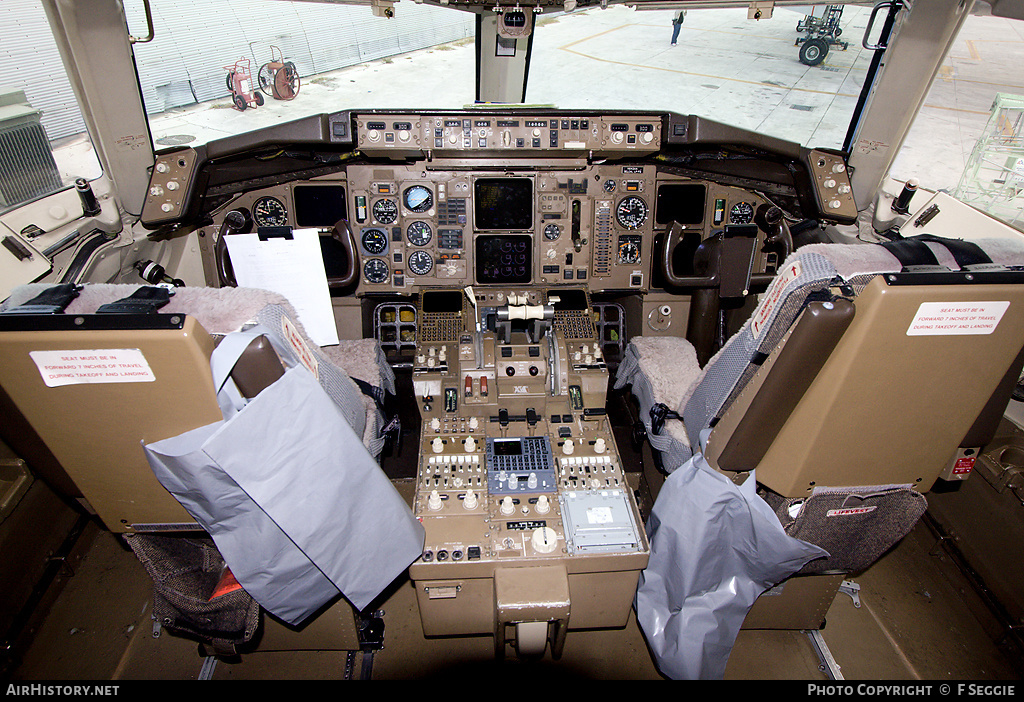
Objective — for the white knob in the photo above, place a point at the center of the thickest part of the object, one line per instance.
(434, 501)
(531, 482)
(470, 501)
(403, 135)
(543, 504)
(470, 444)
(162, 167)
(172, 185)
(567, 447)
(437, 445)
(473, 423)
(435, 423)
(599, 446)
(544, 540)
(513, 481)
(506, 505)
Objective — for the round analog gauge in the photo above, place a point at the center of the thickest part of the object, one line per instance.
(375, 241)
(629, 251)
(385, 211)
(418, 199)
(631, 212)
(418, 233)
(741, 213)
(269, 212)
(376, 271)
(609, 186)
(420, 262)
(552, 232)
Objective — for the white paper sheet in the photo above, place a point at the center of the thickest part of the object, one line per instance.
(292, 267)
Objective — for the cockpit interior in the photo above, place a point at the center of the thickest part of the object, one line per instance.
(507, 376)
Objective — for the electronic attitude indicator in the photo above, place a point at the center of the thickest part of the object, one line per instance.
(269, 212)
(631, 212)
(418, 199)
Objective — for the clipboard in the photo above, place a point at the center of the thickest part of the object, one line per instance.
(289, 262)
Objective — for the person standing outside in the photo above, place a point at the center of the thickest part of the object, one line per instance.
(677, 24)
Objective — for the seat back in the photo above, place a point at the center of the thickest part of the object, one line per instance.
(85, 390)
(66, 381)
(861, 372)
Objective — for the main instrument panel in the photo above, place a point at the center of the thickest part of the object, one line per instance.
(497, 199)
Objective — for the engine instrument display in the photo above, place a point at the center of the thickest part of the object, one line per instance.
(504, 258)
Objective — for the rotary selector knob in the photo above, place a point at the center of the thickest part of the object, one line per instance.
(544, 540)
(434, 501)
(507, 506)
(437, 445)
(470, 444)
(599, 446)
(568, 447)
(543, 505)
(470, 500)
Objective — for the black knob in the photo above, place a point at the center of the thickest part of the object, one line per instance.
(510, 371)
(533, 370)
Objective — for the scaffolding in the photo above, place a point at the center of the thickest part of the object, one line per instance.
(993, 180)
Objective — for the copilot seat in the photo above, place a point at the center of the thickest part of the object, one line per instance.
(865, 374)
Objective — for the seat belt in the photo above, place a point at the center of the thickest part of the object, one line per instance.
(53, 300)
(143, 301)
(913, 252)
(966, 253)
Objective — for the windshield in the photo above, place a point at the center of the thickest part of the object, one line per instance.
(218, 68)
(795, 76)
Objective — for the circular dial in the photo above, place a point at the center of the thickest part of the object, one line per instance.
(375, 241)
(609, 186)
(629, 251)
(631, 212)
(418, 199)
(385, 211)
(741, 213)
(419, 233)
(552, 232)
(420, 262)
(269, 212)
(376, 271)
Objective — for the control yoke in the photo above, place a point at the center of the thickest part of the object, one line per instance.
(726, 259)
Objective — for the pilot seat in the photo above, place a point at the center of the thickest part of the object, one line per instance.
(83, 434)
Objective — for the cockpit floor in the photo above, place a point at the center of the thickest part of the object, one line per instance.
(917, 618)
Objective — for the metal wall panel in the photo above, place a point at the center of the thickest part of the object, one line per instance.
(29, 61)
